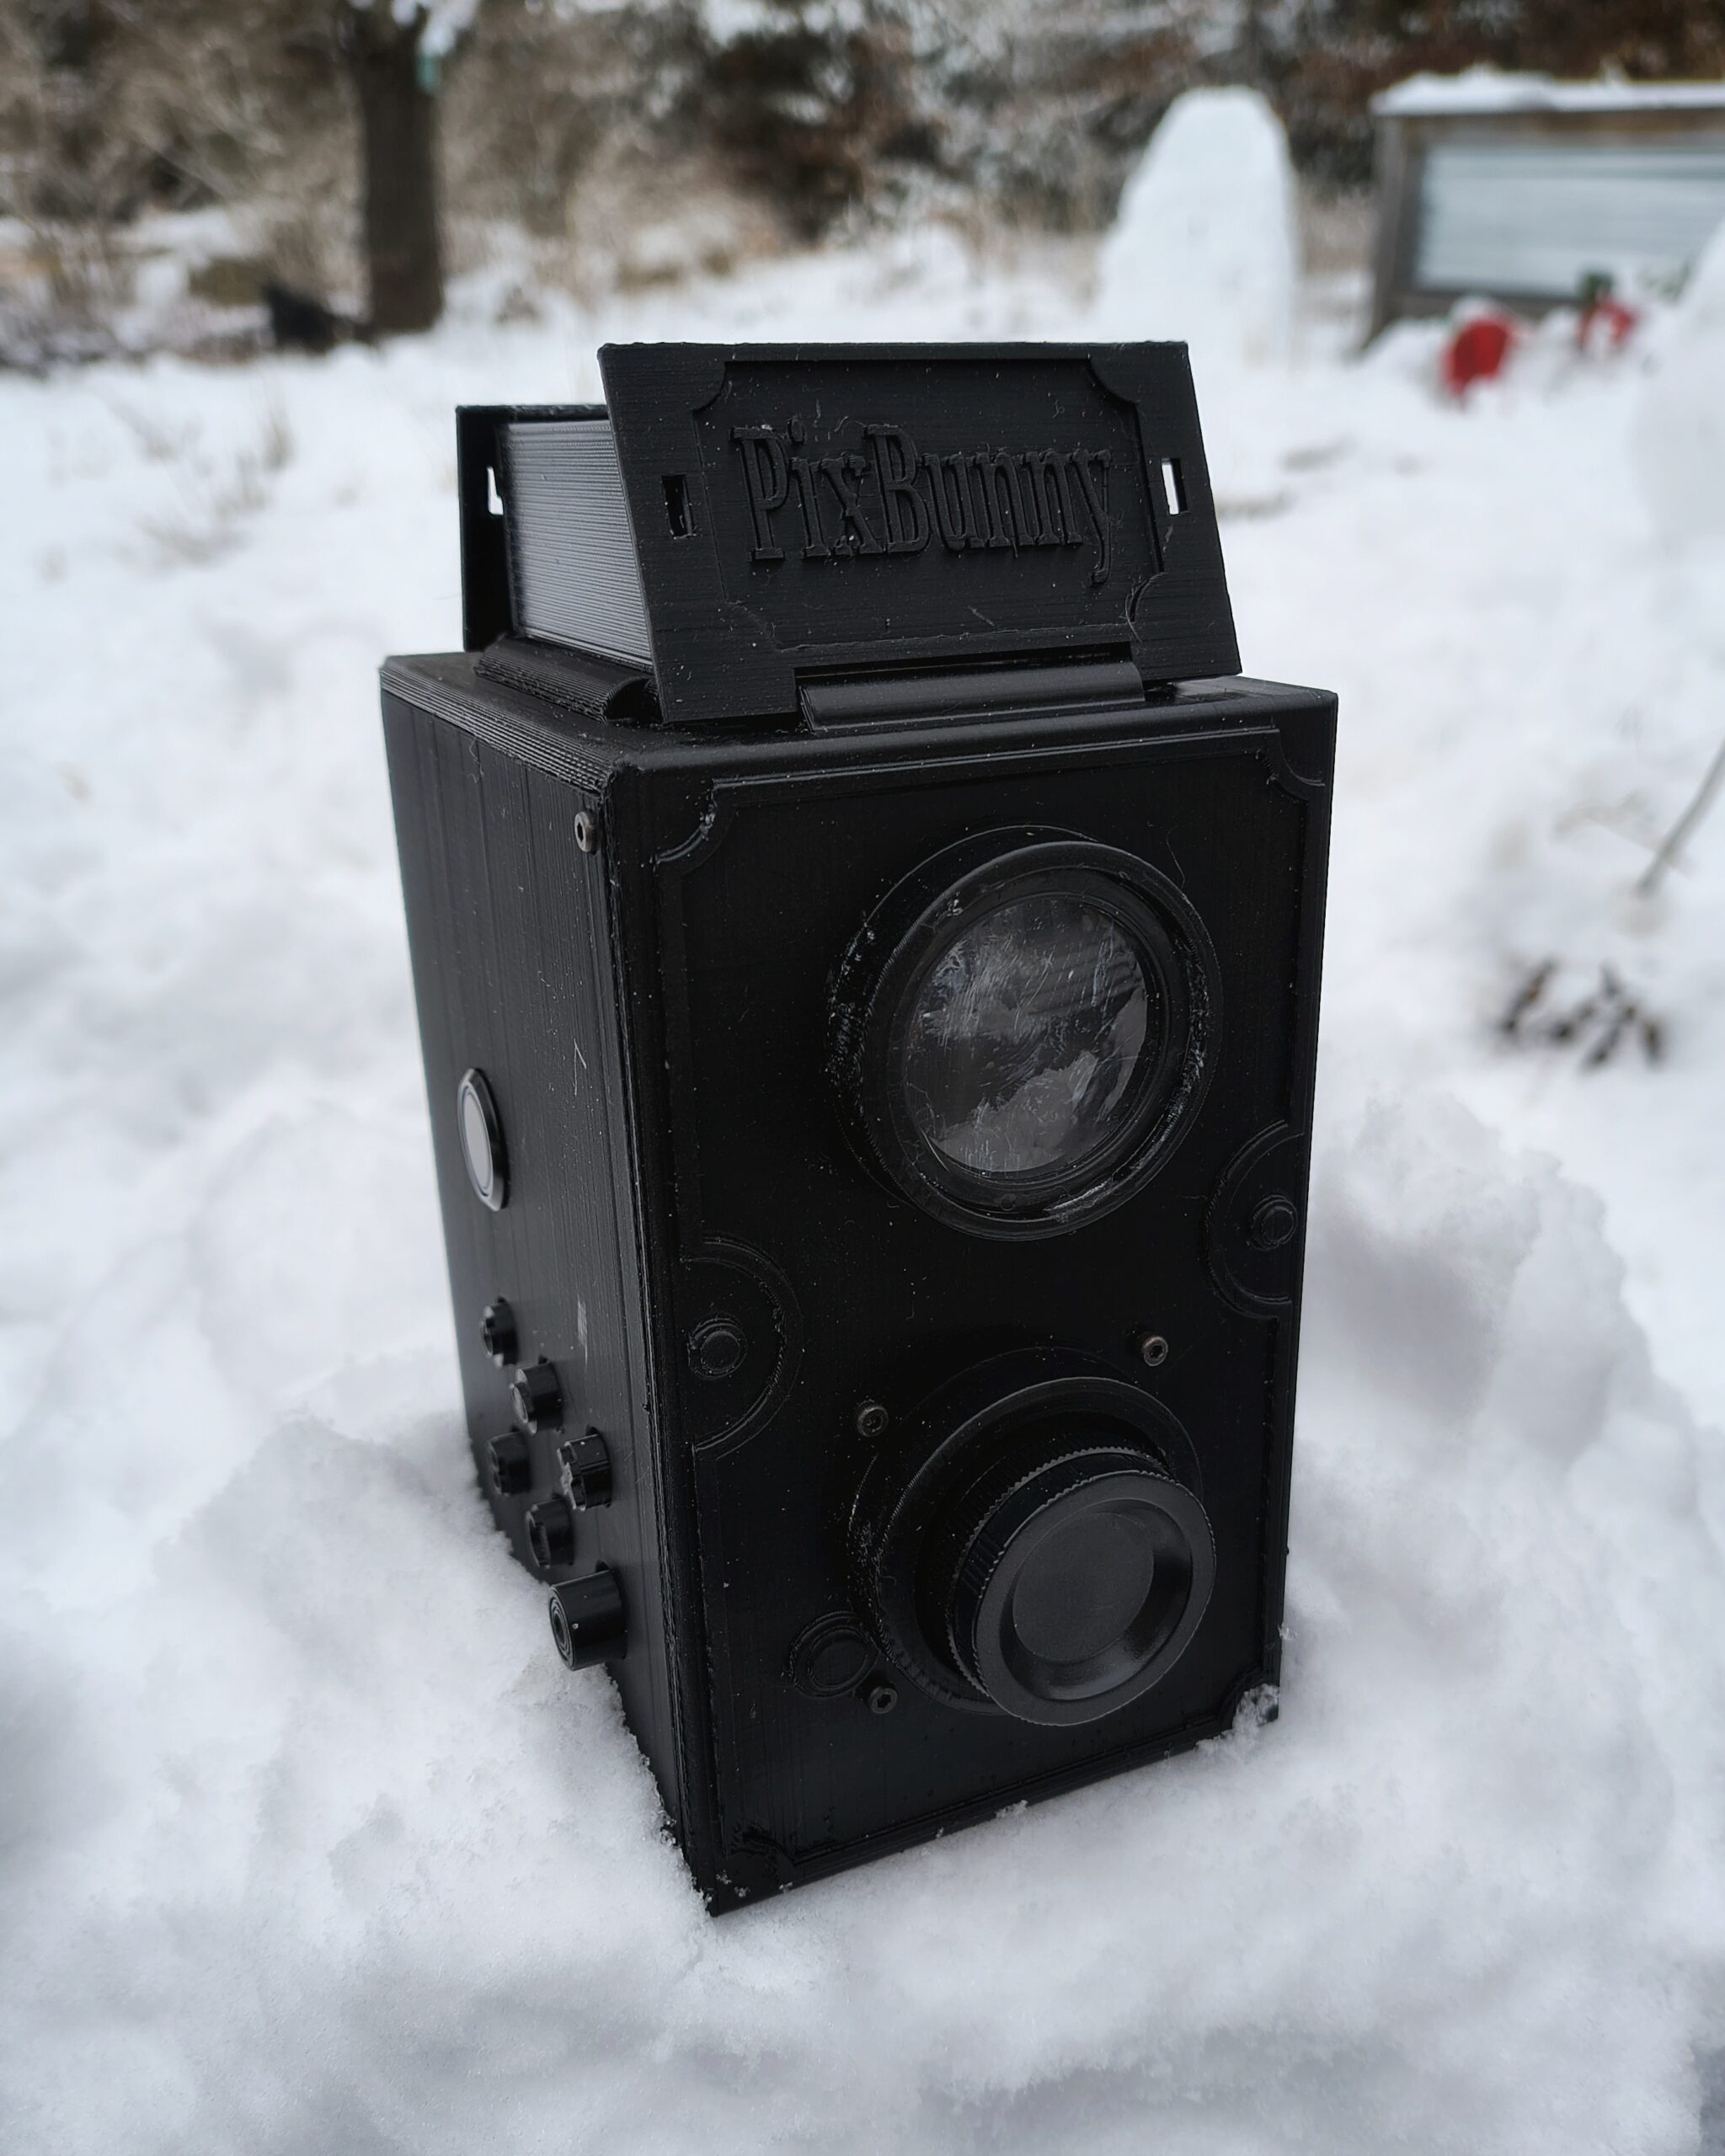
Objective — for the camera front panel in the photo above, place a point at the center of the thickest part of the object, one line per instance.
(986, 1080)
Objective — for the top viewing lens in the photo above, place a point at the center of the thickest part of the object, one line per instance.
(1021, 1041)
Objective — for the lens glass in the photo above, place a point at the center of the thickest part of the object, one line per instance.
(1021, 1042)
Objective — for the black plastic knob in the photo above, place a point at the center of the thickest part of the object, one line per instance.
(1072, 1580)
(551, 1534)
(510, 1464)
(587, 1620)
(536, 1398)
(497, 1333)
(584, 1465)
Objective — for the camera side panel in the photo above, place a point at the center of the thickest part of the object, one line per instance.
(510, 928)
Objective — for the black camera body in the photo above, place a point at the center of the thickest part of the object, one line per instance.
(870, 1038)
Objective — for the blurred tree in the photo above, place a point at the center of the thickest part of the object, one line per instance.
(395, 69)
(546, 85)
(836, 104)
(1325, 59)
(1045, 108)
(397, 51)
(322, 120)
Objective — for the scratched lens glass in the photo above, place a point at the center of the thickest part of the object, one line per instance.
(1023, 1039)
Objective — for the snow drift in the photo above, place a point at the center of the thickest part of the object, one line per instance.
(308, 1841)
(1681, 437)
(1204, 246)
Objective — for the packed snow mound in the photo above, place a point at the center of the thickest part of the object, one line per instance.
(322, 1848)
(1680, 432)
(308, 1842)
(1205, 245)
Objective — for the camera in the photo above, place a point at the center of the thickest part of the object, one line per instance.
(865, 937)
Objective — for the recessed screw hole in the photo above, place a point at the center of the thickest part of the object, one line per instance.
(717, 1349)
(1273, 1224)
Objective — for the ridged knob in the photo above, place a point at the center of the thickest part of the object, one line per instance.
(536, 1398)
(497, 1333)
(587, 1620)
(510, 1464)
(551, 1534)
(584, 1465)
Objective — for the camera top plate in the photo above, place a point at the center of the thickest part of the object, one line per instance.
(799, 513)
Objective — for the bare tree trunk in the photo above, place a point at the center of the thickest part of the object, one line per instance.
(401, 224)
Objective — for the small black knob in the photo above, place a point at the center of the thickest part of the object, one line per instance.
(511, 1463)
(1273, 1224)
(497, 1333)
(536, 1398)
(551, 1534)
(585, 1464)
(717, 1347)
(587, 1620)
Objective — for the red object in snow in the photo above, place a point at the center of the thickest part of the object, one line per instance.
(1477, 352)
(1605, 322)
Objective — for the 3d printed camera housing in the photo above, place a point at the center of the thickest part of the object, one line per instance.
(869, 992)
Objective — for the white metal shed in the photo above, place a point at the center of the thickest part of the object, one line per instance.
(1517, 187)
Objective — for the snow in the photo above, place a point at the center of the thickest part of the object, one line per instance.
(310, 1843)
(1205, 247)
(1680, 434)
(1482, 89)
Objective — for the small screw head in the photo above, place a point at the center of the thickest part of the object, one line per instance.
(871, 1419)
(717, 1347)
(497, 1333)
(882, 1698)
(536, 1398)
(1272, 1225)
(1152, 1350)
(587, 831)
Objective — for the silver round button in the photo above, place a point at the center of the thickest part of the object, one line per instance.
(482, 1140)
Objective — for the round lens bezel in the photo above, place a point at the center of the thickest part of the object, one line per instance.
(906, 1539)
(921, 921)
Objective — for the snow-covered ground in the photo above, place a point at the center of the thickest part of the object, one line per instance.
(308, 1842)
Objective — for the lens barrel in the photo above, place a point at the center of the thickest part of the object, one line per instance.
(1023, 1031)
(1038, 1546)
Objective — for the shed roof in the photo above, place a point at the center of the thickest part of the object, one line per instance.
(1484, 90)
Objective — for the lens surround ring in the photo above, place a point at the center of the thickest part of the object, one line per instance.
(937, 1518)
(1080, 1579)
(1137, 1056)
